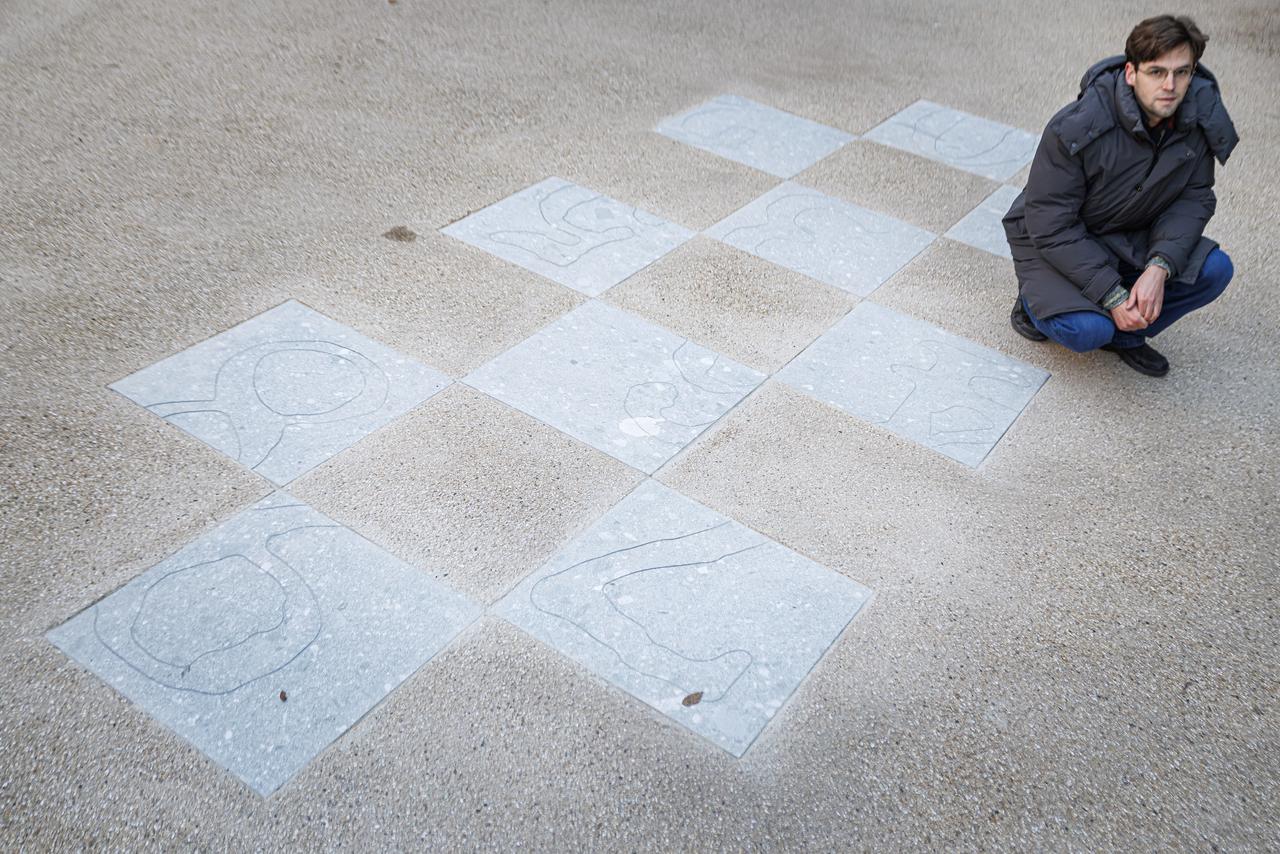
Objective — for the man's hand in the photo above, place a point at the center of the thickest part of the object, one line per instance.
(1126, 315)
(1147, 294)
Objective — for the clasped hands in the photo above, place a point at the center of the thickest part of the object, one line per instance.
(1146, 298)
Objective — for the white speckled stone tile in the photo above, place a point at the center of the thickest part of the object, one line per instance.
(925, 384)
(707, 621)
(284, 391)
(982, 228)
(267, 638)
(770, 140)
(958, 139)
(631, 389)
(828, 239)
(570, 234)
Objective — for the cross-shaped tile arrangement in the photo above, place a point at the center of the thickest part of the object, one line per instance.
(268, 637)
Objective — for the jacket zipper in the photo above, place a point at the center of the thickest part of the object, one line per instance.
(1151, 167)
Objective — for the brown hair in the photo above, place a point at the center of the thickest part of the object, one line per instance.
(1161, 34)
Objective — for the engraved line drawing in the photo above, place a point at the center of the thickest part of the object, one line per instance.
(276, 507)
(747, 131)
(707, 379)
(648, 404)
(600, 617)
(244, 395)
(571, 232)
(784, 223)
(949, 148)
(646, 218)
(239, 661)
(210, 565)
(647, 412)
(732, 135)
(976, 403)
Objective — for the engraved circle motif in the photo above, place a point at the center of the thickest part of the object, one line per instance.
(190, 613)
(265, 388)
(306, 381)
(215, 626)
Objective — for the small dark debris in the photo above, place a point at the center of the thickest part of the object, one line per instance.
(693, 699)
(402, 234)
(283, 696)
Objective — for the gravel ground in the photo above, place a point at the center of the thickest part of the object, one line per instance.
(1073, 646)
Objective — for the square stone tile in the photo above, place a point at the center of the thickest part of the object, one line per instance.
(958, 139)
(770, 140)
(618, 383)
(707, 621)
(825, 238)
(570, 234)
(982, 228)
(752, 311)
(925, 384)
(267, 638)
(284, 391)
(469, 489)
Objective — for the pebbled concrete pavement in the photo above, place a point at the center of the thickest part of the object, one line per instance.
(1073, 647)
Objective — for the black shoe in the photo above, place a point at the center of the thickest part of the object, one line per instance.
(1144, 359)
(1021, 323)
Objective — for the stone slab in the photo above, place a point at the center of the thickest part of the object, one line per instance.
(621, 384)
(267, 638)
(755, 135)
(958, 139)
(570, 234)
(981, 228)
(828, 239)
(284, 391)
(916, 380)
(707, 621)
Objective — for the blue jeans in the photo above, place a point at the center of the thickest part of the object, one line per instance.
(1087, 330)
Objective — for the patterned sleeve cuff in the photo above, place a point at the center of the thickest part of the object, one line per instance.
(1114, 297)
(1159, 261)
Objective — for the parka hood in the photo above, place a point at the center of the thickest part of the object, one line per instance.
(1103, 86)
(1111, 63)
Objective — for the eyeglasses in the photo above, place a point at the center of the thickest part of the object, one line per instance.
(1159, 75)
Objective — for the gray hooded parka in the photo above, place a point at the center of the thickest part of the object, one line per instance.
(1101, 194)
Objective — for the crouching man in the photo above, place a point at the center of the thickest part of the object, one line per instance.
(1107, 237)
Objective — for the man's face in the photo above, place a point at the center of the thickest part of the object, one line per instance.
(1161, 84)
